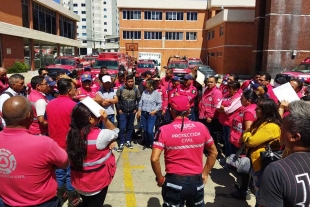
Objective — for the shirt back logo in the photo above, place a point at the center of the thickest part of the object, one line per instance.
(7, 162)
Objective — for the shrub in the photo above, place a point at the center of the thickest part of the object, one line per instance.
(18, 67)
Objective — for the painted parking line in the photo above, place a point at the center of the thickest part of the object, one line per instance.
(129, 186)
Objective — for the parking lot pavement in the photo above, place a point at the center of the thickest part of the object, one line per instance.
(134, 183)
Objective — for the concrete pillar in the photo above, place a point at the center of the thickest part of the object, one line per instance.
(30, 14)
(31, 48)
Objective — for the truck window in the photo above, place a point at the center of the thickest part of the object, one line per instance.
(110, 64)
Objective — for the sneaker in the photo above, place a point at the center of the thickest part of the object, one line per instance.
(144, 147)
(120, 148)
(128, 145)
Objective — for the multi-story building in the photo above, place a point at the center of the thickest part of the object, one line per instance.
(98, 19)
(168, 27)
(220, 32)
(230, 36)
(36, 31)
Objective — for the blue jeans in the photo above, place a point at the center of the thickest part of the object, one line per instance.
(226, 135)
(126, 126)
(178, 192)
(63, 177)
(148, 123)
(111, 119)
(257, 176)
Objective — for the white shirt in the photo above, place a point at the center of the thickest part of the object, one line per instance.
(5, 97)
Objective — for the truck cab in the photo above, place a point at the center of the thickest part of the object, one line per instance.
(301, 71)
(141, 67)
(72, 64)
(179, 66)
(110, 61)
(192, 62)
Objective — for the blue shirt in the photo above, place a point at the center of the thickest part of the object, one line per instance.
(150, 101)
(108, 95)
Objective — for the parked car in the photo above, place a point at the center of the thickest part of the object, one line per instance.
(206, 70)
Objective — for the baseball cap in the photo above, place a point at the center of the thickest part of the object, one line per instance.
(106, 78)
(176, 78)
(50, 81)
(86, 77)
(188, 77)
(180, 103)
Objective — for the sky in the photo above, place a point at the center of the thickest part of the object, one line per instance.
(58, 1)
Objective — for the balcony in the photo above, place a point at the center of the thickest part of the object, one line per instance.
(230, 3)
(231, 15)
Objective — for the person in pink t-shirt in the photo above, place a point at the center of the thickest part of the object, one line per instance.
(183, 142)
(27, 173)
(58, 113)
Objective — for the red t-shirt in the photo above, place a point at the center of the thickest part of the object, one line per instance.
(82, 93)
(27, 162)
(183, 149)
(58, 113)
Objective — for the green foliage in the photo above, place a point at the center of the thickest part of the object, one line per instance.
(18, 67)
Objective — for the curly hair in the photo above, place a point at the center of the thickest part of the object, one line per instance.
(77, 136)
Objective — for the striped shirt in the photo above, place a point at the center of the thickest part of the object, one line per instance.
(286, 182)
(150, 101)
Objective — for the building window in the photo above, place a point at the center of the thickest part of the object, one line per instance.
(84, 34)
(219, 54)
(84, 41)
(75, 5)
(105, 23)
(191, 16)
(83, 27)
(44, 19)
(212, 54)
(105, 30)
(178, 16)
(105, 16)
(191, 35)
(152, 35)
(75, 12)
(128, 35)
(210, 35)
(83, 12)
(104, 2)
(77, 34)
(66, 27)
(83, 19)
(131, 14)
(83, 5)
(221, 31)
(104, 9)
(25, 16)
(153, 15)
(174, 35)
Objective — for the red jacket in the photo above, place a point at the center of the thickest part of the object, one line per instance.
(99, 166)
(164, 97)
(36, 127)
(225, 119)
(208, 103)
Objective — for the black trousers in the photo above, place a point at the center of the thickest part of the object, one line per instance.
(95, 200)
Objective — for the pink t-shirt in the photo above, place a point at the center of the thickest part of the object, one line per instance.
(183, 149)
(82, 93)
(58, 113)
(27, 162)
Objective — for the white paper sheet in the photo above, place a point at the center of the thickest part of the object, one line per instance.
(285, 92)
(200, 78)
(92, 105)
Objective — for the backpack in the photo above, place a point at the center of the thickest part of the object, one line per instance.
(122, 89)
(8, 93)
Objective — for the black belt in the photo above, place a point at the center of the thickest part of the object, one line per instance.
(184, 177)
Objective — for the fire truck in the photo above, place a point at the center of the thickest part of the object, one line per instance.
(301, 71)
(141, 67)
(72, 65)
(179, 65)
(111, 61)
(192, 62)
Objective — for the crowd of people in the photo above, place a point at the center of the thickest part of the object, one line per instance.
(183, 118)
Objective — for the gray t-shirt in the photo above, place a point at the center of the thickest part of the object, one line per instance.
(108, 95)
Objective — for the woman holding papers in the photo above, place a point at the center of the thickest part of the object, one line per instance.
(91, 159)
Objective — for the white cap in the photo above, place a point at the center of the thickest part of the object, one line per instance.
(106, 78)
